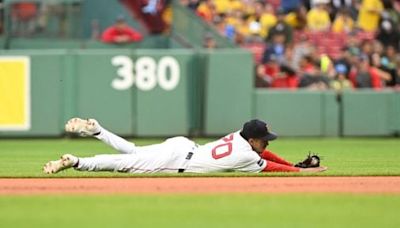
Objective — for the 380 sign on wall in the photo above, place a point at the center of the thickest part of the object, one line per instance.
(146, 73)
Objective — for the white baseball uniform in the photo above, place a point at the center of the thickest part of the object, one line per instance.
(177, 154)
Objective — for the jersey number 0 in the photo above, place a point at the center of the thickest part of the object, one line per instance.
(224, 149)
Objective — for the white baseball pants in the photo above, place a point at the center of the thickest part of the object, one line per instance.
(168, 156)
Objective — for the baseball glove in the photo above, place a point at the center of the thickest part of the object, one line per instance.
(310, 161)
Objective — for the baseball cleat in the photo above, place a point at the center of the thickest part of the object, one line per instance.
(66, 161)
(88, 127)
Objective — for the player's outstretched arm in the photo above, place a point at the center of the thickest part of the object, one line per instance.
(314, 170)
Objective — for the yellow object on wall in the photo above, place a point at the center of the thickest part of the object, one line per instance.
(15, 93)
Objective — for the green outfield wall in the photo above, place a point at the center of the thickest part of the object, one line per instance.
(370, 113)
(132, 92)
(298, 113)
(395, 116)
(153, 42)
(45, 90)
(228, 91)
(139, 92)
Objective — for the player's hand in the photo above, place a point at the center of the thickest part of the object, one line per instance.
(122, 39)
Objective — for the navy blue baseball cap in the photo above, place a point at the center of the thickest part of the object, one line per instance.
(257, 129)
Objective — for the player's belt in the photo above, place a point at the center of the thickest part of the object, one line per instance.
(188, 157)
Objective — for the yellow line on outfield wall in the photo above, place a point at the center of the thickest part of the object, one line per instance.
(15, 93)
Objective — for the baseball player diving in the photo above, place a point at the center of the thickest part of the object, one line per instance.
(241, 151)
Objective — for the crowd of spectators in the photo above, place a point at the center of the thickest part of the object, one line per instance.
(315, 44)
(29, 18)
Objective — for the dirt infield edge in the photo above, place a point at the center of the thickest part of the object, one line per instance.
(65, 186)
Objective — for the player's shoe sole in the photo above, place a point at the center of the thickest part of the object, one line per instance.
(88, 127)
(66, 161)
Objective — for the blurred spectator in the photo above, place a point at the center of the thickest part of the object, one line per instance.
(220, 26)
(254, 25)
(363, 77)
(242, 31)
(382, 68)
(391, 9)
(286, 78)
(275, 48)
(314, 79)
(369, 15)
(271, 69)
(343, 23)
(262, 20)
(318, 18)
(307, 4)
(344, 61)
(366, 48)
(226, 6)
(50, 10)
(281, 28)
(310, 74)
(326, 66)
(388, 34)
(224, 28)
(209, 42)
(368, 76)
(389, 60)
(155, 15)
(338, 5)
(166, 15)
(306, 65)
(377, 47)
(397, 79)
(23, 17)
(290, 5)
(120, 33)
(268, 18)
(207, 10)
(262, 79)
(1, 16)
(352, 45)
(275, 75)
(150, 7)
(341, 82)
(300, 49)
(297, 19)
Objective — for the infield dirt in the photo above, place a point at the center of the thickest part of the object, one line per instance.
(61, 186)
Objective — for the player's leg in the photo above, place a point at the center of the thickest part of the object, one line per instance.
(66, 161)
(270, 156)
(116, 142)
(106, 162)
(167, 157)
(90, 127)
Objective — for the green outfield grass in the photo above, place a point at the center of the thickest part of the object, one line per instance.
(202, 211)
(361, 156)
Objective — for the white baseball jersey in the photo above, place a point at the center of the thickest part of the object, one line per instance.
(231, 153)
